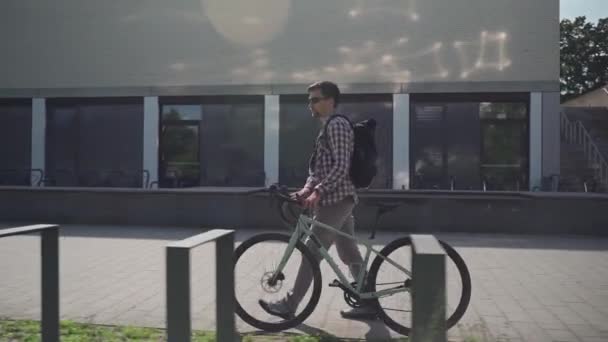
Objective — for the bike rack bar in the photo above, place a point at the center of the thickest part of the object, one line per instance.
(428, 290)
(179, 323)
(50, 275)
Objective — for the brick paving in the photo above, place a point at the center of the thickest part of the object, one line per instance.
(525, 287)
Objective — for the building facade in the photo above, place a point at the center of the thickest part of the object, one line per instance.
(213, 92)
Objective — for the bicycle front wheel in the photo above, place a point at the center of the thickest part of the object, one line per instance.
(396, 310)
(255, 264)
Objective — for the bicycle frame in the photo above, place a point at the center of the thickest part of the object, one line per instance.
(303, 229)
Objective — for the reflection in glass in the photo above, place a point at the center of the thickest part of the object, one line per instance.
(463, 144)
(233, 142)
(180, 156)
(213, 141)
(463, 138)
(428, 146)
(181, 112)
(505, 148)
(502, 111)
(95, 142)
(15, 141)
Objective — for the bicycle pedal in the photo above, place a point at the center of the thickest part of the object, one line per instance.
(335, 283)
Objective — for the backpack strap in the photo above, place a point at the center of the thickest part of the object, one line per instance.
(327, 124)
(313, 157)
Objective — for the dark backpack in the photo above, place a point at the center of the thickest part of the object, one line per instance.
(363, 166)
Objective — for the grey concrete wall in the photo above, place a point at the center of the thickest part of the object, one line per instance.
(550, 134)
(121, 45)
(422, 211)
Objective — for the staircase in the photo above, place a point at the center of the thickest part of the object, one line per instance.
(584, 146)
(575, 173)
(595, 121)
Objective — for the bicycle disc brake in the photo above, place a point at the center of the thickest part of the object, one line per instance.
(271, 286)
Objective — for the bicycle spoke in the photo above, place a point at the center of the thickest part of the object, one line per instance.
(253, 280)
(396, 305)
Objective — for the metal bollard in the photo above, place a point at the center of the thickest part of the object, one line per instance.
(428, 290)
(179, 322)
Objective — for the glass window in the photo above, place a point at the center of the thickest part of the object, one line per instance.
(15, 141)
(180, 155)
(95, 142)
(298, 131)
(504, 147)
(463, 136)
(427, 148)
(215, 141)
(469, 141)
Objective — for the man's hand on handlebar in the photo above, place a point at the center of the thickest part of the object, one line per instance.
(301, 195)
(307, 198)
(312, 201)
(304, 198)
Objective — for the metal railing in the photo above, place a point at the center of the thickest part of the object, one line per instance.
(133, 178)
(22, 177)
(179, 323)
(50, 275)
(576, 133)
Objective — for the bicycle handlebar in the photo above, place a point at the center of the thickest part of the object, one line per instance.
(277, 191)
(285, 203)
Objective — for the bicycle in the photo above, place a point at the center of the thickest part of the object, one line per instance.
(290, 251)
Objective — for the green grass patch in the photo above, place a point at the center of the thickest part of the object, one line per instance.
(29, 331)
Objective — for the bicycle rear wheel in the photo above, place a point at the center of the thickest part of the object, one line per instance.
(256, 260)
(395, 310)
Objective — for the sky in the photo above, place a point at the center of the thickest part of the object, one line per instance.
(592, 9)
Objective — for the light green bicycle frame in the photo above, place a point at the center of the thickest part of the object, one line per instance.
(302, 228)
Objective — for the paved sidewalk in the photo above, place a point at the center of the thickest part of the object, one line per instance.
(525, 288)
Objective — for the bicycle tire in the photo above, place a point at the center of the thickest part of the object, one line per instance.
(465, 276)
(316, 283)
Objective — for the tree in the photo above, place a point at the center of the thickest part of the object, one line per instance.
(584, 56)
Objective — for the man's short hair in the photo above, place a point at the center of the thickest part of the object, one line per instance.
(328, 89)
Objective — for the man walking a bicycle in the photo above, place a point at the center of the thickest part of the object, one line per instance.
(279, 275)
(330, 194)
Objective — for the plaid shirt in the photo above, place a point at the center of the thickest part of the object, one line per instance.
(329, 172)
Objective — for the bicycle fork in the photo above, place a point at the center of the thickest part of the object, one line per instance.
(295, 237)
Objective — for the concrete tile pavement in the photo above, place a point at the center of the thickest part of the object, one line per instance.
(525, 288)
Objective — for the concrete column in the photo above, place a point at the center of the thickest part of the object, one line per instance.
(401, 141)
(271, 138)
(551, 134)
(151, 122)
(536, 139)
(38, 137)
